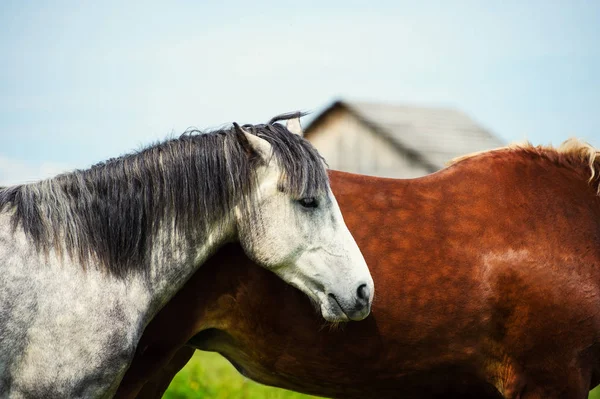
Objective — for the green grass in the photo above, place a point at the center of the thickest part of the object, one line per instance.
(209, 375)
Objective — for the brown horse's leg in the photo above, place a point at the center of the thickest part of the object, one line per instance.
(148, 363)
(574, 385)
(156, 387)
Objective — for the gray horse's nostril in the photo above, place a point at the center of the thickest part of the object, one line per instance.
(363, 292)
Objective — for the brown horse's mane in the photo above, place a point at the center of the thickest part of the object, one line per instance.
(572, 153)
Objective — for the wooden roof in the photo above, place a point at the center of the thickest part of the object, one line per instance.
(434, 135)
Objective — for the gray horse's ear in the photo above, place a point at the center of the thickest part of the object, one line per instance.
(261, 146)
(294, 126)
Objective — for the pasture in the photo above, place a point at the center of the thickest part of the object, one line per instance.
(209, 375)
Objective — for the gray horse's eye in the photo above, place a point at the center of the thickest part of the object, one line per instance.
(309, 202)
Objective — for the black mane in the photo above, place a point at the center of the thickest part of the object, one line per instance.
(112, 211)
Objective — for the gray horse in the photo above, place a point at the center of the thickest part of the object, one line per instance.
(88, 258)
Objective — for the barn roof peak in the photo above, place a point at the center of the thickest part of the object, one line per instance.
(434, 135)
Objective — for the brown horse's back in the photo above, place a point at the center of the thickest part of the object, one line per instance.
(486, 277)
(489, 268)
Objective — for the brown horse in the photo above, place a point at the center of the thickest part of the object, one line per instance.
(488, 285)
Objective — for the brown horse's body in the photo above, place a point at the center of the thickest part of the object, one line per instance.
(487, 278)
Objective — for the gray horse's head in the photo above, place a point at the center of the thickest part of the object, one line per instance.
(295, 228)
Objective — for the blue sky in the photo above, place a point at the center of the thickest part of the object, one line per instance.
(82, 81)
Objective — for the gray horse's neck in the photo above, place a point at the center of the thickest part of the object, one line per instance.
(173, 261)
